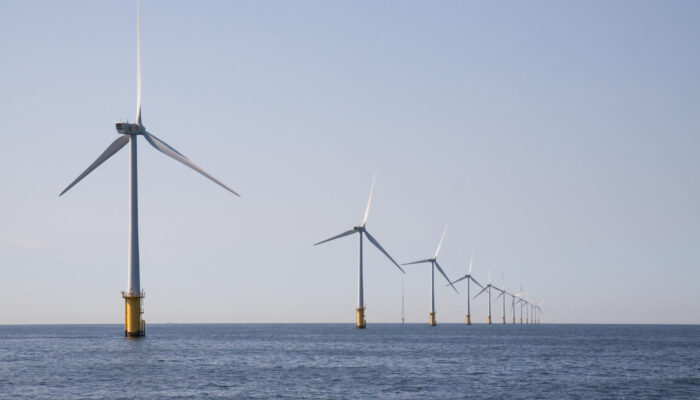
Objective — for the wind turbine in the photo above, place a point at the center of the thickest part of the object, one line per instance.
(539, 311)
(521, 300)
(487, 288)
(129, 132)
(513, 296)
(469, 278)
(527, 309)
(434, 264)
(360, 310)
(503, 293)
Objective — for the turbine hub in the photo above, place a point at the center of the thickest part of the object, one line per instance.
(128, 128)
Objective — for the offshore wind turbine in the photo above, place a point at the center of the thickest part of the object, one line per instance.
(487, 288)
(434, 264)
(128, 133)
(527, 309)
(503, 293)
(360, 310)
(513, 296)
(469, 278)
(521, 300)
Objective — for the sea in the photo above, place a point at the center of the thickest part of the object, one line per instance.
(337, 361)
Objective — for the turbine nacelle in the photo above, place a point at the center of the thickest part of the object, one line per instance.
(127, 128)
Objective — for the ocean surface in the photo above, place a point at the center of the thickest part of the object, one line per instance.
(321, 361)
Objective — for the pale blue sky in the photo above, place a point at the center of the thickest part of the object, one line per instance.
(558, 139)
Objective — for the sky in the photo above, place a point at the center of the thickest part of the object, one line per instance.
(558, 140)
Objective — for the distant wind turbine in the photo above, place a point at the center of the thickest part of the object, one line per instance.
(129, 132)
(502, 293)
(521, 300)
(469, 278)
(360, 310)
(487, 288)
(434, 264)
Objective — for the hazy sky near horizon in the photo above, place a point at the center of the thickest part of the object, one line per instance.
(559, 140)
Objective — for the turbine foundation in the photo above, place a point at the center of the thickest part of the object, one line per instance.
(432, 319)
(513, 320)
(360, 322)
(134, 325)
(489, 320)
(503, 320)
(469, 320)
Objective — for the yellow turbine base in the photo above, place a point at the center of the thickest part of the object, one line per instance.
(360, 322)
(134, 326)
(503, 320)
(432, 319)
(469, 320)
(513, 320)
(489, 320)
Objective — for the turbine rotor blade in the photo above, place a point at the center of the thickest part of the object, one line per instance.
(174, 154)
(503, 279)
(350, 232)
(475, 281)
(446, 278)
(471, 260)
(427, 260)
(499, 295)
(379, 246)
(117, 145)
(459, 280)
(440, 244)
(482, 291)
(369, 201)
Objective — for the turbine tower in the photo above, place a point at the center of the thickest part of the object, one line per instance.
(469, 278)
(434, 264)
(403, 319)
(487, 288)
(360, 310)
(521, 300)
(502, 293)
(527, 309)
(128, 133)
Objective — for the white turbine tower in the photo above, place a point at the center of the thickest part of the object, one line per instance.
(527, 309)
(521, 300)
(129, 132)
(360, 310)
(434, 264)
(487, 288)
(469, 278)
(502, 293)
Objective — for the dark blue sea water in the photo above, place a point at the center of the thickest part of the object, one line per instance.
(387, 361)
